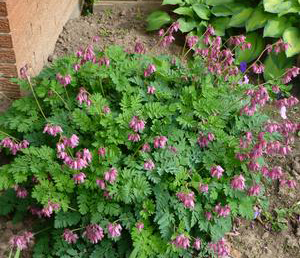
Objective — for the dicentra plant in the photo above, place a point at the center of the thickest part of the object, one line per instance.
(131, 155)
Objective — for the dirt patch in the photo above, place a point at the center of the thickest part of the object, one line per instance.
(113, 26)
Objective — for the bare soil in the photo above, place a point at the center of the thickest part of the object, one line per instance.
(250, 239)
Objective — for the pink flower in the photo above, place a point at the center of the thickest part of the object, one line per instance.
(208, 215)
(254, 190)
(106, 110)
(52, 129)
(291, 184)
(14, 147)
(95, 39)
(101, 184)
(73, 141)
(64, 80)
(188, 199)
(87, 155)
(102, 152)
(182, 241)
(197, 244)
(160, 141)
(275, 173)
(149, 165)
(216, 171)
(139, 226)
(114, 229)
(220, 248)
(137, 124)
(222, 211)
(146, 148)
(283, 112)
(21, 192)
(203, 188)
(210, 137)
(111, 175)
(203, 141)
(22, 241)
(238, 182)
(150, 69)
(69, 236)
(139, 48)
(134, 137)
(83, 97)
(174, 27)
(76, 67)
(94, 233)
(151, 90)
(253, 165)
(48, 210)
(79, 178)
(191, 41)
(161, 32)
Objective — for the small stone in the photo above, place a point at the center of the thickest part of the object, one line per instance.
(265, 235)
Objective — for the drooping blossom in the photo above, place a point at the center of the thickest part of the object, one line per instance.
(95, 39)
(167, 40)
(21, 192)
(253, 165)
(76, 67)
(107, 195)
(258, 68)
(151, 90)
(139, 48)
(222, 211)
(79, 178)
(150, 70)
(174, 27)
(181, 241)
(283, 112)
(101, 184)
(275, 173)
(137, 124)
(220, 248)
(161, 32)
(149, 165)
(216, 171)
(69, 236)
(111, 175)
(64, 80)
(197, 243)
(102, 152)
(236, 40)
(72, 142)
(188, 199)
(208, 215)
(106, 110)
(173, 149)
(13, 146)
(83, 97)
(160, 141)
(203, 141)
(238, 182)
(94, 233)
(104, 61)
(191, 41)
(114, 229)
(290, 74)
(49, 208)
(134, 137)
(139, 226)
(22, 241)
(203, 188)
(210, 137)
(52, 129)
(146, 147)
(254, 190)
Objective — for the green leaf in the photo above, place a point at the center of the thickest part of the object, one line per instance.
(173, 2)
(202, 11)
(276, 6)
(246, 208)
(220, 25)
(186, 25)
(218, 2)
(66, 219)
(239, 19)
(157, 19)
(291, 35)
(248, 55)
(188, 11)
(257, 19)
(221, 10)
(276, 64)
(275, 27)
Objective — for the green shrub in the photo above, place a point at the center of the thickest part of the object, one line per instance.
(133, 155)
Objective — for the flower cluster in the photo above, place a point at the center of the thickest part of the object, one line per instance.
(150, 70)
(50, 207)
(69, 236)
(21, 192)
(13, 146)
(181, 241)
(168, 37)
(203, 140)
(52, 129)
(238, 182)
(216, 171)
(222, 211)
(111, 175)
(279, 46)
(137, 124)
(188, 199)
(114, 229)
(290, 74)
(22, 241)
(160, 141)
(83, 97)
(94, 233)
(151, 90)
(149, 165)
(139, 48)
(64, 80)
(221, 248)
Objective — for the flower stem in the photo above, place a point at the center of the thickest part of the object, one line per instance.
(42, 230)
(61, 99)
(1, 132)
(37, 102)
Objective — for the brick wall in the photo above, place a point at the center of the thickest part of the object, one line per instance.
(28, 32)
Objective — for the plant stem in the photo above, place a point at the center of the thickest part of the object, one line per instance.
(61, 99)
(1, 132)
(37, 102)
(42, 230)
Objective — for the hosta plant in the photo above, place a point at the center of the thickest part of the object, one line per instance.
(132, 155)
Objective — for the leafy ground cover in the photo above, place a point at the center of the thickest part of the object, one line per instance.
(233, 247)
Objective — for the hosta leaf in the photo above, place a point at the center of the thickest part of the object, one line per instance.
(257, 19)
(202, 11)
(221, 10)
(220, 25)
(275, 27)
(188, 11)
(291, 35)
(248, 55)
(157, 19)
(294, 8)
(239, 19)
(172, 2)
(276, 6)
(186, 25)
(218, 2)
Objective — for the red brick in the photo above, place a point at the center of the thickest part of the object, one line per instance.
(4, 26)
(8, 70)
(5, 41)
(7, 56)
(8, 88)
(3, 10)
